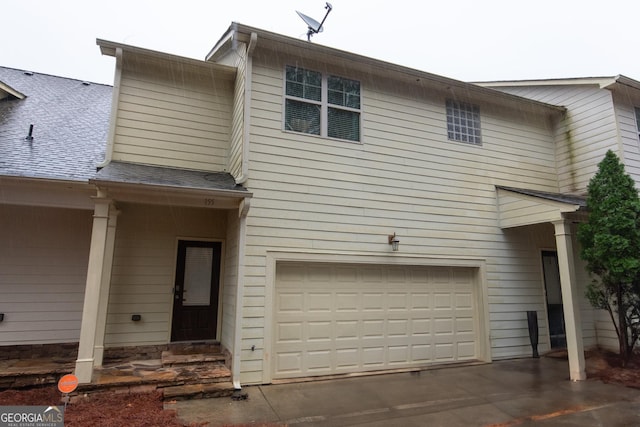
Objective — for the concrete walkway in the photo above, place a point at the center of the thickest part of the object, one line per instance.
(507, 393)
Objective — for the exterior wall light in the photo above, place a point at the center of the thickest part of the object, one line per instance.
(394, 242)
(136, 317)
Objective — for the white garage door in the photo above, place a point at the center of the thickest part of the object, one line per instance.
(344, 318)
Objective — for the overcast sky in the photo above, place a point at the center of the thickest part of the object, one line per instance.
(470, 40)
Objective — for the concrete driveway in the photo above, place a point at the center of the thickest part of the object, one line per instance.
(508, 393)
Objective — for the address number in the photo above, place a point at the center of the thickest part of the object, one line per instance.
(209, 202)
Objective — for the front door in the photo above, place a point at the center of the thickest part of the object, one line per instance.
(195, 304)
(551, 269)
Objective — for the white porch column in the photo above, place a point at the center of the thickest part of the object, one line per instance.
(84, 364)
(98, 348)
(237, 340)
(570, 301)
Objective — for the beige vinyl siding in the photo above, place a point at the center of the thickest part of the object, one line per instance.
(173, 115)
(43, 269)
(625, 113)
(591, 125)
(237, 121)
(230, 286)
(313, 194)
(144, 268)
(588, 314)
(517, 210)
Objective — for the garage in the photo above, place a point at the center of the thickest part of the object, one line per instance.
(347, 318)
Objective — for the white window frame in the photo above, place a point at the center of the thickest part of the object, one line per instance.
(324, 105)
(637, 116)
(475, 125)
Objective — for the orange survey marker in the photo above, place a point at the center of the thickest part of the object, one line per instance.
(68, 383)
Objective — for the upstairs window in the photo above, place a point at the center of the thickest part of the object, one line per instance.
(638, 120)
(463, 122)
(322, 105)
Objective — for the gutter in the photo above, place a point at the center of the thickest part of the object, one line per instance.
(248, 72)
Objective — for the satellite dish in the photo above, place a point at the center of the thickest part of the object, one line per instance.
(313, 26)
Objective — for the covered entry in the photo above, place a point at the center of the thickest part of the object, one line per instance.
(346, 318)
(522, 207)
(156, 258)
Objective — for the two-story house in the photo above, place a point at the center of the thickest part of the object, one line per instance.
(319, 213)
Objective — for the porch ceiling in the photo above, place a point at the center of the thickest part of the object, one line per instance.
(161, 185)
(519, 207)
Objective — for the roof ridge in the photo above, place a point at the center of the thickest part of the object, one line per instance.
(53, 75)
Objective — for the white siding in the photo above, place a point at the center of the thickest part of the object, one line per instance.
(590, 133)
(230, 282)
(319, 195)
(624, 107)
(144, 265)
(173, 115)
(237, 125)
(517, 210)
(43, 269)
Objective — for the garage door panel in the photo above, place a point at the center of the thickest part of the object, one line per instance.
(353, 318)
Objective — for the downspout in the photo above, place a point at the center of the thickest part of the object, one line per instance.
(248, 77)
(243, 210)
(115, 98)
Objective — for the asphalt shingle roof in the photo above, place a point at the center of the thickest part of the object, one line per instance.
(556, 197)
(129, 173)
(70, 124)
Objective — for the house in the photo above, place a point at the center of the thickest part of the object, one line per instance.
(319, 213)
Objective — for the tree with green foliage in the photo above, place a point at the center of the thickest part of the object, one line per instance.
(610, 243)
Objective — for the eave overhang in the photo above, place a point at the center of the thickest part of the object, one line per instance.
(6, 91)
(239, 33)
(109, 48)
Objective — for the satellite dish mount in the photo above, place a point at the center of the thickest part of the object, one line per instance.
(314, 27)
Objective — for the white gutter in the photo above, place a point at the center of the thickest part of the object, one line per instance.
(115, 99)
(248, 76)
(243, 210)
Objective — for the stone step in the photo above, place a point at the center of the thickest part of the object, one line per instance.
(198, 391)
(22, 373)
(194, 374)
(170, 358)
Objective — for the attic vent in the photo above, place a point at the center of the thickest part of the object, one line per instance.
(86, 83)
(28, 73)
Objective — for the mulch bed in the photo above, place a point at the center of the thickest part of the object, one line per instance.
(99, 410)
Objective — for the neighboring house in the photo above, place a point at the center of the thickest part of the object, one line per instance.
(603, 113)
(52, 135)
(253, 198)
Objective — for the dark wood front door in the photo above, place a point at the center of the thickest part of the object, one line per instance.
(195, 304)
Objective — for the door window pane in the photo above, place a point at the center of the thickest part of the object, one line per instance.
(197, 276)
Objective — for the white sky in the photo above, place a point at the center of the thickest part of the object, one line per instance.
(470, 40)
